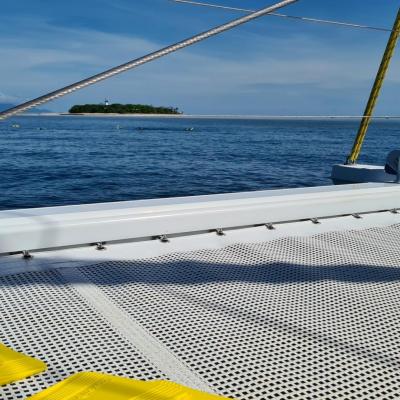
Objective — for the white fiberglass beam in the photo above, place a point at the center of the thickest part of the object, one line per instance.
(142, 60)
(56, 227)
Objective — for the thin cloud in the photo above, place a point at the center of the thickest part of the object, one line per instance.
(6, 98)
(47, 57)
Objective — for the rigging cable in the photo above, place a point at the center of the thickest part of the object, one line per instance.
(375, 92)
(143, 60)
(305, 19)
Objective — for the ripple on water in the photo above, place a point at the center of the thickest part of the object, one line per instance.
(51, 161)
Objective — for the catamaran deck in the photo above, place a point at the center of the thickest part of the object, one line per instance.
(305, 311)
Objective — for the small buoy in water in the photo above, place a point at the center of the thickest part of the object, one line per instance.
(118, 127)
(15, 126)
(189, 129)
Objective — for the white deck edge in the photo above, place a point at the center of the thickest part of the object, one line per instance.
(58, 227)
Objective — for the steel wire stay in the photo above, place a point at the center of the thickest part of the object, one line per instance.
(305, 19)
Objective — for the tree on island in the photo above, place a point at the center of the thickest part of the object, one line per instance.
(122, 109)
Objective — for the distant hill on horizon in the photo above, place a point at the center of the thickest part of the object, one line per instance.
(121, 109)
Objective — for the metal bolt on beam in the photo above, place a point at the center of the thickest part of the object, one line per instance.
(163, 239)
(101, 246)
(26, 255)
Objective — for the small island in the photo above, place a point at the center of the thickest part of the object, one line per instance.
(122, 109)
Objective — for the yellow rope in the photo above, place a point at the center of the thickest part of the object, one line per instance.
(355, 153)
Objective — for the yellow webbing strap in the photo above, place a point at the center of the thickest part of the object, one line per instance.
(96, 386)
(15, 366)
(376, 89)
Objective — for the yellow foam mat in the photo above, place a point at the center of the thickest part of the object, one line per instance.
(96, 386)
(15, 366)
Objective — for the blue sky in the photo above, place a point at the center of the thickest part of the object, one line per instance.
(270, 66)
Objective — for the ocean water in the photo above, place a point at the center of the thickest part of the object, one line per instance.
(49, 161)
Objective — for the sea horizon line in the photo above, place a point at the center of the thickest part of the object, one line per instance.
(216, 116)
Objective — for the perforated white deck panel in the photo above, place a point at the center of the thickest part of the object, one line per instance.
(43, 316)
(296, 318)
